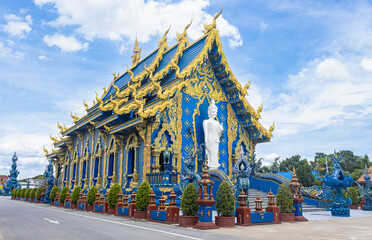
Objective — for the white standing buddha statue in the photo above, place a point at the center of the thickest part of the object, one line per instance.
(212, 134)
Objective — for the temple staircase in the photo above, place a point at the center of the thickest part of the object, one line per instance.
(253, 194)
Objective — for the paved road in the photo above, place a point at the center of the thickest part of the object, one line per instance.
(21, 220)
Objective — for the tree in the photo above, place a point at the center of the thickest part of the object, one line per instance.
(225, 201)
(305, 176)
(92, 195)
(274, 167)
(75, 194)
(62, 196)
(112, 197)
(53, 193)
(188, 201)
(142, 196)
(284, 199)
(288, 163)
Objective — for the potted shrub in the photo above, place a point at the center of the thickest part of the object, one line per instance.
(53, 193)
(19, 192)
(75, 197)
(12, 193)
(23, 193)
(142, 200)
(27, 194)
(189, 206)
(225, 205)
(91, 197)
(284, 201)
(62, 196)
(32, 194)
(112, 198)
(353, 193)
(38, 195)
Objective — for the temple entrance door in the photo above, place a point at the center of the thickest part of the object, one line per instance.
(161, 162)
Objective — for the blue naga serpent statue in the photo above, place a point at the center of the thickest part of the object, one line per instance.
(48, 174)
(338, 181)
(241, 171)
(366, 192)
(188, 174)
(12, 182)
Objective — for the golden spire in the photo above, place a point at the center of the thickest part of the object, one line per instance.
(136, 53)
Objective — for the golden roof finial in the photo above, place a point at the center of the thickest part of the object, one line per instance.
(86, 105)
(55, 140)
(136, 53)
(271, 129)
(209, 27)
(45, 150)
(163, 41)
(184, 34)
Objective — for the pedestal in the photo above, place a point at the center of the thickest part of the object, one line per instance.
(275, 211)
(205, 215)
(243, 216)
(297, 210)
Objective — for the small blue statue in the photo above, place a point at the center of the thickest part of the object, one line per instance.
(12, 182)
(366, 192)
(241, 171)
(49, 177)
(338, 181)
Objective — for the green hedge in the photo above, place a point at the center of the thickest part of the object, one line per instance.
(225, 201)
(12, 192)
(23, 192)
(62, 196)
(284, 199)
(28, 191)
(38, 193)
(112, 197)
(91, 197)
(142, 196)
(33, 193)
(188, 201)
(53, 193)
(75, 194)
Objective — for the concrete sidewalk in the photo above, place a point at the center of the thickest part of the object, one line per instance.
(321, 225)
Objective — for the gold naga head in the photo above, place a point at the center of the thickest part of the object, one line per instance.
(164, 39)
(209, 27)
(184, 34)
(45, 150)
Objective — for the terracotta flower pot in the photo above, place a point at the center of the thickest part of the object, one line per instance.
(286, 217)
(111, 211)
(188, 221)
(353, 206)
(73, 205)
(89, 208)
(227, 222)
(140, 214)
(61, 204)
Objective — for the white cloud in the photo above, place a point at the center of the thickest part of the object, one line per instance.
(66, 44)
(7, 52)
(366, 64)
(16, 26)
(43, 58)
(119, 20)
(323, 93)
(263, 26)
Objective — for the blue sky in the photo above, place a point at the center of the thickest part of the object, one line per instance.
(309, 62)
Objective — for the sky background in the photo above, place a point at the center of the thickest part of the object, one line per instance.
(309, 63)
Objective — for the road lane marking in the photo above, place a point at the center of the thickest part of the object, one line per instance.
(120, 223)
(55, 222)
